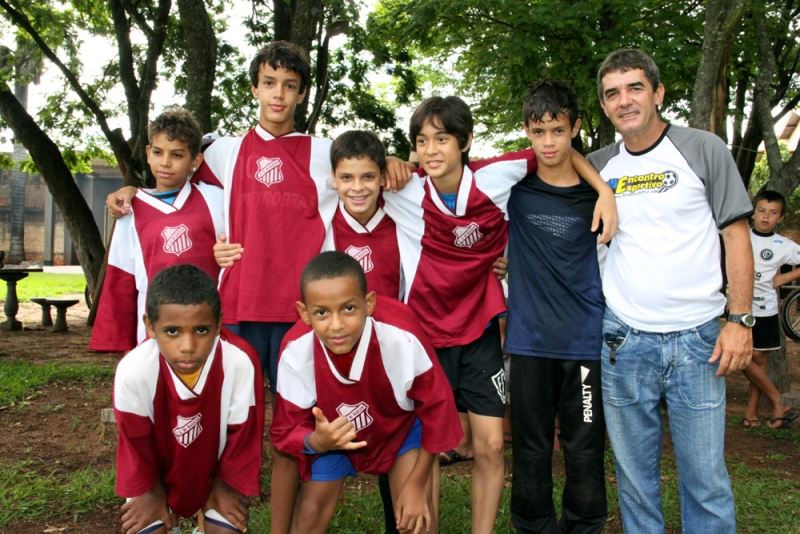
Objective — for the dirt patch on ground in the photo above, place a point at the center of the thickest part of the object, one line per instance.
(58, 428)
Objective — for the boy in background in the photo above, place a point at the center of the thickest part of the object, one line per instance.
(360, 390)
(189, 409)
(554, 328)
(453, 222)
(176, 222)
(770, 251)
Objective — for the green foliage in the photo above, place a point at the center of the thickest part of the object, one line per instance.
(50, 285)
(18, 379)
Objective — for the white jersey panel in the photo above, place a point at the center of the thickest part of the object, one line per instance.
(769, 254)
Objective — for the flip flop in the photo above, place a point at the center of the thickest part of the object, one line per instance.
(751, 423)
(784, 420)
(451, 457)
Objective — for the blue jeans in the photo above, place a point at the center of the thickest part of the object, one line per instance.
(646, 367)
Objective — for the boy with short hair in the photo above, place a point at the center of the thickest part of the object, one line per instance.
(453, 219)
(359, 390)
(176, 222)
(770, 251)
(554, 327)
(189, 409)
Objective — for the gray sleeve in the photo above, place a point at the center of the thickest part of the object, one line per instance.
(712, 162)
(600, 158)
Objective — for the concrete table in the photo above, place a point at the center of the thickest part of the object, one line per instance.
(13, 274)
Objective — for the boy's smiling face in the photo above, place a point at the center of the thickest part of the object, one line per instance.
(439, 153)
(185, 334)
(278, 93)
(358, 182)
(170, 161)
(336, 309)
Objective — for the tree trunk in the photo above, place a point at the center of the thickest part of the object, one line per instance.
(201, 59)
(16, 249)
(708, 100)
(47, 157)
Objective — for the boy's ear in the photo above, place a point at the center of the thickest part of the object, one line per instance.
(371, 299)
(148, 326)
(147, 152)
(576, 128)
(197, 161)
(302, 311)
(468, 144)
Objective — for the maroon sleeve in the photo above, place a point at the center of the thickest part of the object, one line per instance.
(527, 154)
(290, 425)
(117, 320)
(205, 175)
(137, 465)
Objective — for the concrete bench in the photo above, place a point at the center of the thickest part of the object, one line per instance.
(61, 306)
(47, 319)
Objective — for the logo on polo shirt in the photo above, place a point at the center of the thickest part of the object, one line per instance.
(468, 235)
(176, 239)
(653, 182)
(358, 414)
(187, 429)
(269, 171)
(362, 255)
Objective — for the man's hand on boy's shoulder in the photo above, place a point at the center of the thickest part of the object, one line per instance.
(411, 511)
(605, 209)
(333, 435)
(397, 174)
(231, 504)
(145, 509)
(225, 254)
(119, 202)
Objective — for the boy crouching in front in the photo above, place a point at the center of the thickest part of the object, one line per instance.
(359, 390)
(190, 413)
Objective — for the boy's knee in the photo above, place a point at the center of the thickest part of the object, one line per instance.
(489, 447)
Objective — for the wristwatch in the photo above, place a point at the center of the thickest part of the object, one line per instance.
(744, 319)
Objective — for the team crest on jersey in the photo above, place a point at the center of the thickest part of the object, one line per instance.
(499, 381)
(363, 255)
(176, 239)
(269, 171)
(358, 414)
(766, 254)
(468, 235)
(653, 182)
(187, 429)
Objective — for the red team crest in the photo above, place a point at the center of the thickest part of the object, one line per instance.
(357, 414)
(187, 429)
(363, 255)
(468, 235)
(269, 171)
(176, 239)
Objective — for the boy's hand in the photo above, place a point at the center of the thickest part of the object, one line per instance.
(228, 502)
(397, 174)
(500, 267)
(411, 511)
(335, 435)
(605, 209)
(119, 202)
(226, 253)
(141, 511)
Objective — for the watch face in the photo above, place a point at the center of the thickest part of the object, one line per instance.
(748, 320)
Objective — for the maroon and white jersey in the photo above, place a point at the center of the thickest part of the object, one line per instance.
(374, 246)
(394, 378)
(279, 204)
(156, 235)
(447, 256)
(183, 436)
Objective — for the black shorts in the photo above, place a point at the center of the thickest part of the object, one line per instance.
(767, 333)
(475, 372)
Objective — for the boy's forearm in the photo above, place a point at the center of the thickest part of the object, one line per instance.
(586, 171)
(422, 468)
(786, 278)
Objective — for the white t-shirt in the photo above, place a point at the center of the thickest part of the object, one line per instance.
(769, 253)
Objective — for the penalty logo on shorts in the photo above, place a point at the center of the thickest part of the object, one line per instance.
(362, 255)
(269, 171)
(187, 429)
(499, 381)
(358, 414)
(176, 239)
(468, 235)
(586, 395)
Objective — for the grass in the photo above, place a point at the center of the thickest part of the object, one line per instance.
(18, 378)
(49, 285)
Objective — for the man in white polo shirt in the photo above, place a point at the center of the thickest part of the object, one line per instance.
(676, 189)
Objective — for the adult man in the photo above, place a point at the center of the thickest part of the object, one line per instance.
(675, 187)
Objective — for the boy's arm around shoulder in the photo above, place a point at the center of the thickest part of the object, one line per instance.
(605, 209)
(135, 383)
(240, 463)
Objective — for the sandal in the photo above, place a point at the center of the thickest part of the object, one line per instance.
(451, 457)
(751, 423)
(784, 421)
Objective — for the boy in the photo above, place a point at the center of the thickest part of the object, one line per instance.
(454, 227)
(770, 251)
(554, 327)
(189, 409)
(359, 390)
(176, 222)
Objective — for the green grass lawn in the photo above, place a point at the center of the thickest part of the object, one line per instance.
(48, 285)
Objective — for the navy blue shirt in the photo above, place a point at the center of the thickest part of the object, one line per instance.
(555, 299)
